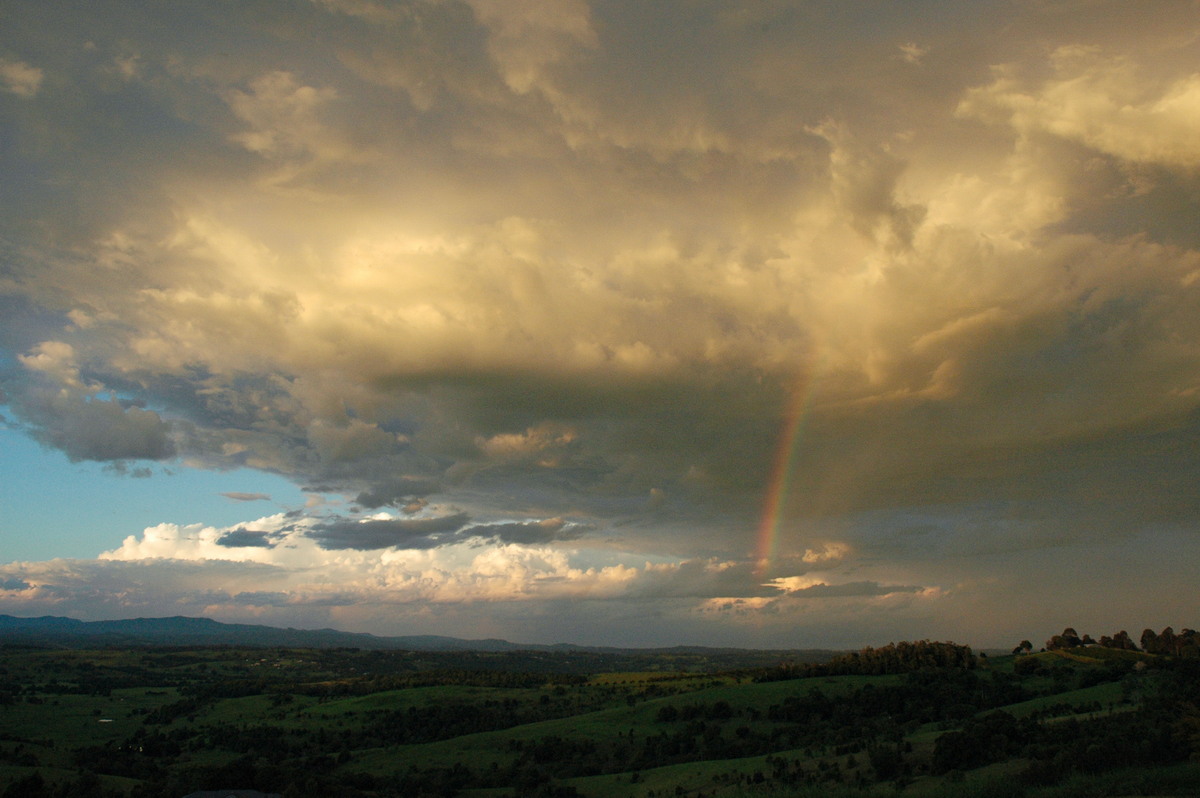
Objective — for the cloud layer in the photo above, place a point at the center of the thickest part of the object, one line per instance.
(529, 290)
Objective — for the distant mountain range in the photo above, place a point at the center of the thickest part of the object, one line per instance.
(182, 631)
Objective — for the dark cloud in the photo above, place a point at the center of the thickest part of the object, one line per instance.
(97, 429)
(396, 494)
(246, 538)
(406, 533)
(529, 533)
(852, 589)
(703, 578)
(122, 469)
(262, 598)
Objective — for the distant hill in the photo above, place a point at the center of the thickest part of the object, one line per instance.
(183, 631)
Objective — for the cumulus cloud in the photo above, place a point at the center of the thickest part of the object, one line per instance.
(272, 567)
(542, 594)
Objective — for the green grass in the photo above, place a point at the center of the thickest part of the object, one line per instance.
(691, 776)
(1106, 694)
(605, 724)
(1088, 655)
(76, 720)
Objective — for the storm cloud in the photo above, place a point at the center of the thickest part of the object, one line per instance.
(666, 300)
(382, 533)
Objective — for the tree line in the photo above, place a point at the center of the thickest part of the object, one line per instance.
(1185, 643)
(894, 658)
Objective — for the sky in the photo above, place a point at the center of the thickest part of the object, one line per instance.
(736, 323)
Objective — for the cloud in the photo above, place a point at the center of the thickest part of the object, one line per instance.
(20, 78)
(526, 532)
(542, 594)
(70, 413)
(244, 538)
(383, 533)
(700, 578)
(536, 443)
(528, 37)
(238, 496)
(912, 52)
(408, 494)
(282, 115)
(541, 286)
(96, 429)
(846, 589)
(1102, 100)
(828, 552)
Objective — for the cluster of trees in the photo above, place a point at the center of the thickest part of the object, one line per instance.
(1166, 643)
(904, 657)
(1058, 749)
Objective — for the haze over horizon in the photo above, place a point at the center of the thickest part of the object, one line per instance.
(763, 324)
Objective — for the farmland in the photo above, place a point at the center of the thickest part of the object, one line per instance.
(930, 719)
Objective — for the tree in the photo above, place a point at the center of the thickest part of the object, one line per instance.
(1068, 639)
(1122, 640)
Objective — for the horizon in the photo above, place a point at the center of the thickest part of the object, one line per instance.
(555, 644)
(767, 325)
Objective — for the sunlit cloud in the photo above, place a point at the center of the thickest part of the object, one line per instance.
(1106, 101)
(20, 78)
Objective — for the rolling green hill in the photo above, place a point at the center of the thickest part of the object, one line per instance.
(307, 722)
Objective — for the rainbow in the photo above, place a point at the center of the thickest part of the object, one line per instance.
(781, 473)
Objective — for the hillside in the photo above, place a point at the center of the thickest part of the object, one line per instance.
(922, 719)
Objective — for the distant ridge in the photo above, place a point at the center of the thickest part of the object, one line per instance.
(179, 630)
